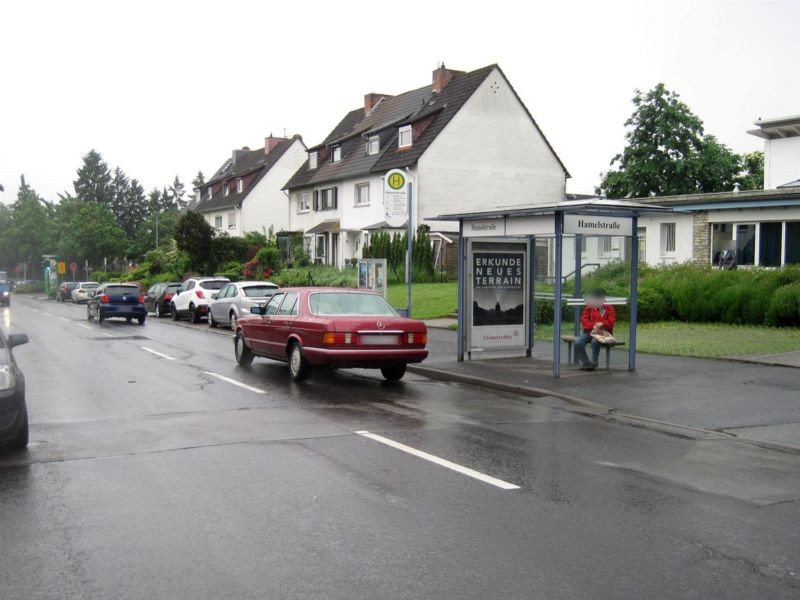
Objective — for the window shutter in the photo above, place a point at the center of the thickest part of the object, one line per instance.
(335, 197)
(316, 200)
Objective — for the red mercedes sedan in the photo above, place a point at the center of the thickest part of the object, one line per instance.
(309, 327)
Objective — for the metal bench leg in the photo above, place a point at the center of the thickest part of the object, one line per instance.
(608, 357)
(571, 358)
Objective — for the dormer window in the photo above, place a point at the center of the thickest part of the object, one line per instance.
(225, 189)
(209, 192)
(312, 160)
(373, 144)
(239, 185)
(404, 137)
(336, 154)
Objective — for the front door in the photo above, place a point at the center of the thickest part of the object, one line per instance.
(335, 250)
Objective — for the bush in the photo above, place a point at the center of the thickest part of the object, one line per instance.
(319, 275)
(784, 308)
(653, 306)
(37, 287)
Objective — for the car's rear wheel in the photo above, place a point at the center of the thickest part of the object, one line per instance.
(141, 320)
(21, 441)
(100, 317)
(394, 373)
(194, 313)
(233, 321)
(244, 356)
(174, 312)
(298, 365)
(157, 310)
(128, 319)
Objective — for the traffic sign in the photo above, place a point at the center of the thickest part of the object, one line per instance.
(62, 267)
(73, 266)
(395, 198)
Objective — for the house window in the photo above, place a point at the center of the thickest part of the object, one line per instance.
(373, 144)
(362, 194)
(231, 220)
(769, 244)
(326, 199)
(668, 238)
(792, 243)
(746, 244)
(312, 160)
(605, 246)
(721, 239)
(304, 202)
(218, 222)
(209, 192)
(225, 189)
(239, 185)
(336, 154)
(404, 138)
(583, 245)
(321, 247)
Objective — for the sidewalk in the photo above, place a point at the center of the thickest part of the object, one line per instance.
(706, 398)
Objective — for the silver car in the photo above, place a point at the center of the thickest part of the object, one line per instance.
(83, 291)
(236, 299)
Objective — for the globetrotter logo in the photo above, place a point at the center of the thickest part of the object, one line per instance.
(397, 181)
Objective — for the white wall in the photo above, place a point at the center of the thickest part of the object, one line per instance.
(684, 224)
(266, 205)
(489, 155)
(224, 213)
(781, 161)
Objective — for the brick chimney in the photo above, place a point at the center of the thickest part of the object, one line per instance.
(443, 76)
(372, 99)
(272, 141)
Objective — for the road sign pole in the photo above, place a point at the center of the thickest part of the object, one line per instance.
(410, 268)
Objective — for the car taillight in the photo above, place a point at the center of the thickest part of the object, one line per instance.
(416, 338)
(141, 299)
(104, 299)
(167, 296)
(200, 294)
(330, 337)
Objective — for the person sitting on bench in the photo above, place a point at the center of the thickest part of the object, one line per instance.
(596, 317)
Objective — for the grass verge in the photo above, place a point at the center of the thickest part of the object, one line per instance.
(428, 300)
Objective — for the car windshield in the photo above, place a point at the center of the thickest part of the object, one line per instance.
(171, 289)
(120, 290)
(90, 286)
(259, 291)
(350, 303)
(213, 285)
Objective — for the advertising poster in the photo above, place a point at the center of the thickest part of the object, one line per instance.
(372, 274)
(498, 299)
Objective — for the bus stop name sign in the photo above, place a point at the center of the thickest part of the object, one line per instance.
(593, 225)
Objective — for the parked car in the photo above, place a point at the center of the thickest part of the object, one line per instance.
(308, 327)
(13, 410)
(64, 291)
(192, 298)
(122, 300)
(236, 299)
(5, 293)
(158, 298)
(83, 291)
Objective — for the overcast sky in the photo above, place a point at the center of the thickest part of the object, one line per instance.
(166, 88)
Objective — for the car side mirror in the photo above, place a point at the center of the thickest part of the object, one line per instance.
(17, 339)
(258, 310)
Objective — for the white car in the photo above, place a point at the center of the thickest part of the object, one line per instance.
(192, 298)
(83, 291)
(236, 300)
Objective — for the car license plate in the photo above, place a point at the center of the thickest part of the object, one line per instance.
(379, 340)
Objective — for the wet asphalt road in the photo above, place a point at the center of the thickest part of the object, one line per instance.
(151, 476)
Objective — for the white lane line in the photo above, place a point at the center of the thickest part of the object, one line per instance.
(85, 326)
(157, 353)
(64, 319)
(234, 382)
(107, 334)
(504, 485)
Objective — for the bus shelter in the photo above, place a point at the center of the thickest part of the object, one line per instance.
(497, 270)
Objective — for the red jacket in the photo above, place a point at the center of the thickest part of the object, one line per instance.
(591, 316)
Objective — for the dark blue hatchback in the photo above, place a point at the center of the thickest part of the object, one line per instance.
(112, 300)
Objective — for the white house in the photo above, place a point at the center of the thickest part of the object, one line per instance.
(246, 193)
(466, 140)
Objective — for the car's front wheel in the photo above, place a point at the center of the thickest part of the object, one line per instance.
(233, 321)
(194, 313)
(20, 442)
(244, 356)
(157, 310)
(298, 365)
(394, 373)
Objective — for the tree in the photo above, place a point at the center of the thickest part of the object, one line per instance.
(89, 231)
(94, 179)
(28, 230)
(177, 192)
(193, 235)
(199, 180)
(118, 196)
(752, 175)
(667, 152)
